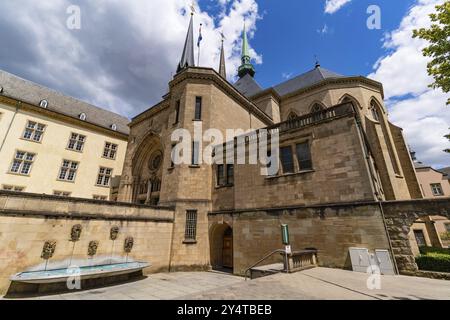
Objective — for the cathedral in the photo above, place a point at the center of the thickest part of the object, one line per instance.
(336, 146)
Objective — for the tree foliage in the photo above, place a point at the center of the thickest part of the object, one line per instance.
(448, 137)
(438, 35)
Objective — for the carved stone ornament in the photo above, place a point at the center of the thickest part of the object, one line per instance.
(48, 250)
(128, 246)
(75, 234)
(92, 249)
(114, 233)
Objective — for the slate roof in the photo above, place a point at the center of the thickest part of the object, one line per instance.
(446, 172)
(305, 80)
(249, 87)
(420, 165)
(33, 93)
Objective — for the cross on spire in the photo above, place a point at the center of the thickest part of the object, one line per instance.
(246, 67)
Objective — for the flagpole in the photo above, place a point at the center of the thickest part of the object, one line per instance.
(200, 38)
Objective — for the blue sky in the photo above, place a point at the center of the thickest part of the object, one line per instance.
(287, 37)
(125, 52)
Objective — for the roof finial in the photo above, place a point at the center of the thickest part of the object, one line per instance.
(317, 61)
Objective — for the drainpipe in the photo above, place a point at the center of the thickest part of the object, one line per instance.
(10, 124)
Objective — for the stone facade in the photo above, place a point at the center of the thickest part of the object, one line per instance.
(400, 217)
(357, 156)
(332, 230)
(28, 221)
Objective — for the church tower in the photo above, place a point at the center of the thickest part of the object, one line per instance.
(222, 66)
(246, 67)
(187, 59)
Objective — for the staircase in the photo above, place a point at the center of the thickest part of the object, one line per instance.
(293, 262)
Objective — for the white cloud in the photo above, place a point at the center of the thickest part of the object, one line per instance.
(423, 113)
(124, 54)
(332, 6)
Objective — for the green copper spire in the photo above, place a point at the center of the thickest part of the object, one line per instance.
(246, 67)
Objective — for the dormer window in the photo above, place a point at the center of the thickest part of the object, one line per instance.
(114, 127)
(1, 90)
(43, 104)
(83, 116)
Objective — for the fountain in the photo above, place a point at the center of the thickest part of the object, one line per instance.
(90, 271)
(113, 235)
(75, 235)
(128, 246)
(48, 251)
(92, 249)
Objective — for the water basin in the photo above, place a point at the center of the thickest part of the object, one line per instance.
(88, 272)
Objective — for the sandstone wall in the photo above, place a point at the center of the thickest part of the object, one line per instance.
(27, 221)
(330, 229)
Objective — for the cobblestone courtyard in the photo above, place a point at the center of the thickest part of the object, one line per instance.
(319, 283)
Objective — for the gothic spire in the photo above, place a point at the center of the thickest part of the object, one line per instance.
(222, 67)
(246, 67)
(187, 59)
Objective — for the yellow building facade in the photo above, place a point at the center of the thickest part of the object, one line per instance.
(56, 145)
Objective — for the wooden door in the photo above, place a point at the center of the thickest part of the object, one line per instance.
(227, 257)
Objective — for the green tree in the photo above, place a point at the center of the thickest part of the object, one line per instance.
(439, 49)
(448, 137)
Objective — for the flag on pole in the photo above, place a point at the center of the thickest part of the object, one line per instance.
(200, 37)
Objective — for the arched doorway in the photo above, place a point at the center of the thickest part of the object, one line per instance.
(147, 171)
(221, 245)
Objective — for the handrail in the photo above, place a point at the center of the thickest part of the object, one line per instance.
(265, 258)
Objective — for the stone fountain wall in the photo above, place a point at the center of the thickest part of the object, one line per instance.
(28, 223)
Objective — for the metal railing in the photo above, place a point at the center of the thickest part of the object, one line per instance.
(286, 265)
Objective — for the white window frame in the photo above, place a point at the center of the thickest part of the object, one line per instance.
(20, 162)
(7, 187)
(75, 144)
(110, 149)
(69, 170)
(64, 194)
(104, 177)
(436, 189)
(32, 129)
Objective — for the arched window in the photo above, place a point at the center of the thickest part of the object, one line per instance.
(292, 116)
(374, 111)
(317, 108)
(156, 185)
(376, 114)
